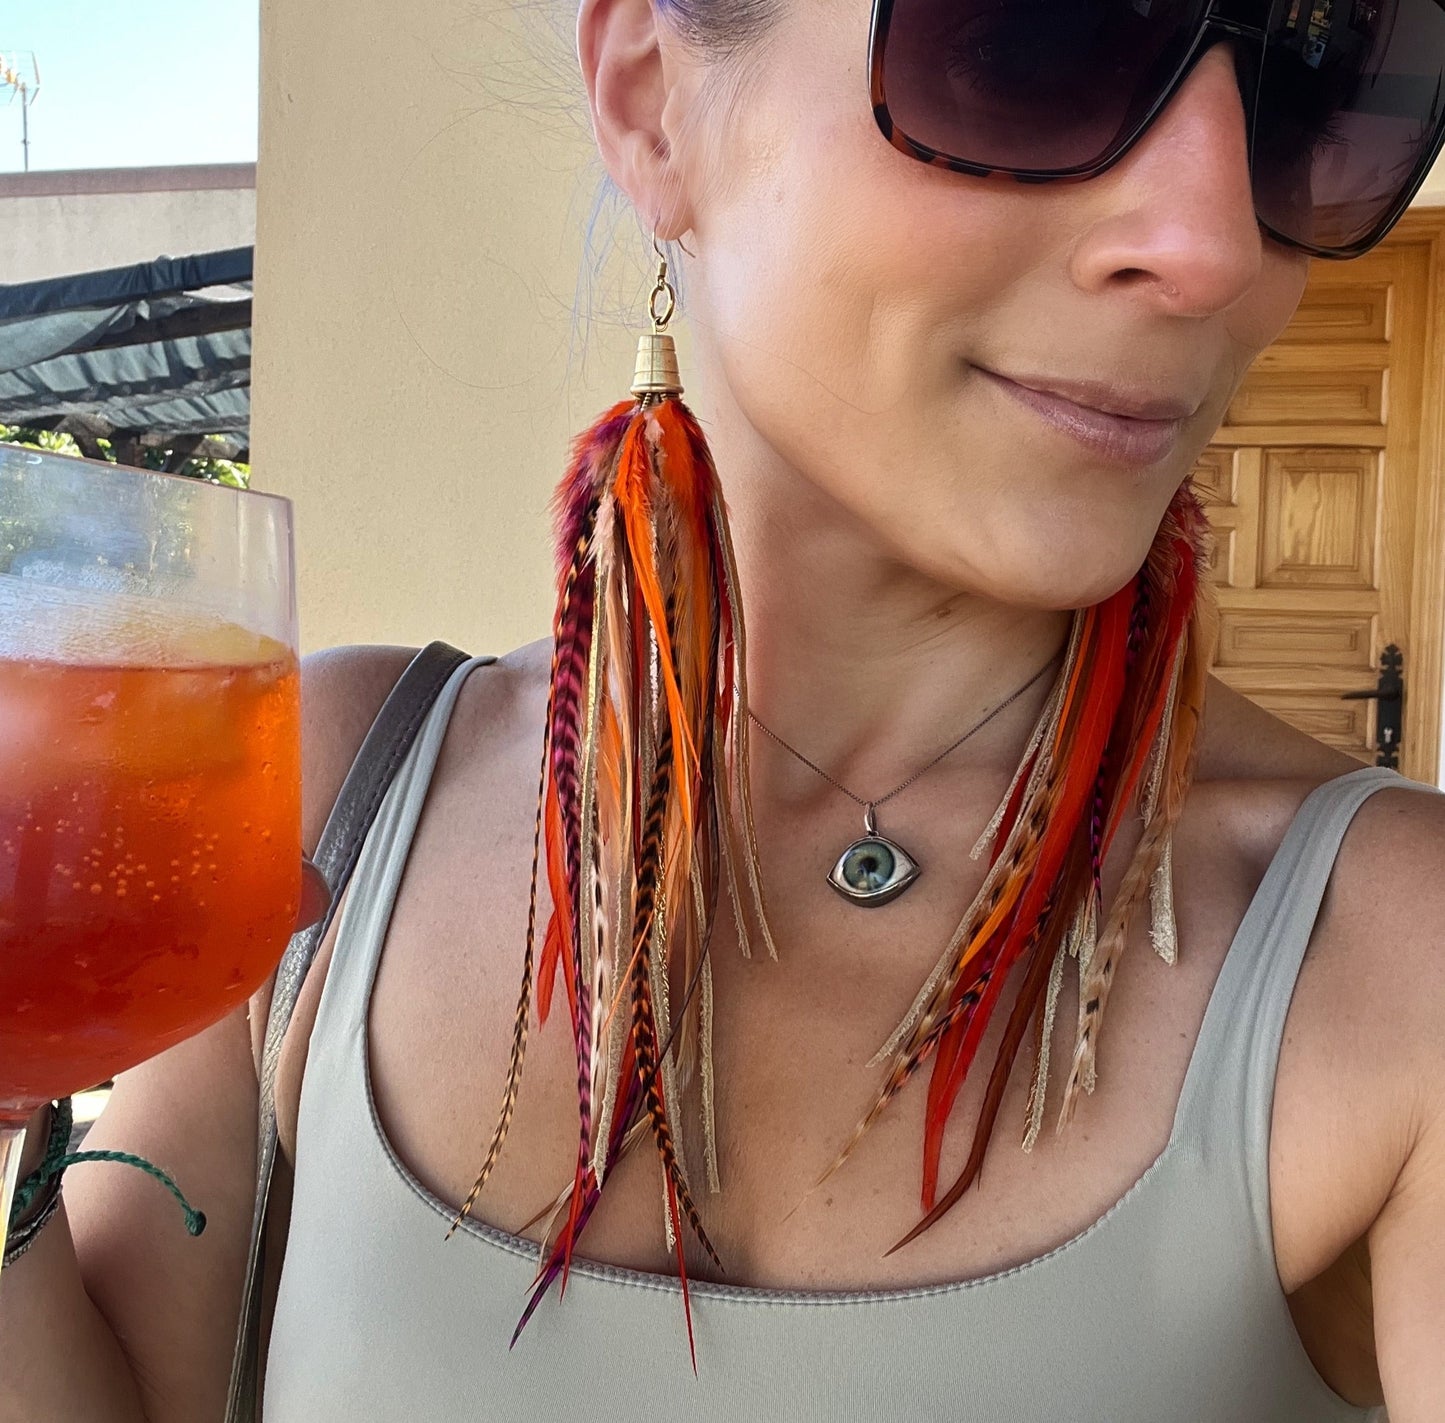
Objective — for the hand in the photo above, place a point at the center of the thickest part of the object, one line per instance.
(315, 896)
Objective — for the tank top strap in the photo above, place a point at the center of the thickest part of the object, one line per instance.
(366, 912)
(1227, 1100)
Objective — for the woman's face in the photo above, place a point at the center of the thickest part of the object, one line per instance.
(875, 325)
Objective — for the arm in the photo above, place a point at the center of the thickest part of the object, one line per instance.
(1407, 1256)
(116, 1315)
(1400, 916)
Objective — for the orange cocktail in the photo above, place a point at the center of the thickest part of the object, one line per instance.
(150, 856)
(150, 860)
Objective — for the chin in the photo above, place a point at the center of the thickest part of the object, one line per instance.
(1073, 559)
(1064, 594)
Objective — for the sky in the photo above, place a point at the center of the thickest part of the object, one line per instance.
(132, 83)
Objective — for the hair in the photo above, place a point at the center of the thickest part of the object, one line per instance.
(721, 29)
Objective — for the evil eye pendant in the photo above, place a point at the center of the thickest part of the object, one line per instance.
(873, 870)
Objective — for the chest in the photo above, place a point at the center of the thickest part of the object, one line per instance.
(793, 1043)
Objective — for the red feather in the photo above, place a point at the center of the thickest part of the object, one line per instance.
(1081, 744)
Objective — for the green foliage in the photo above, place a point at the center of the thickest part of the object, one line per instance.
(201, 466)
(38, 440)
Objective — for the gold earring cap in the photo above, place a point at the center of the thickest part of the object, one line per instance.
(656, 372)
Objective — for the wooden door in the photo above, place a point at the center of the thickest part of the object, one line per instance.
(1324, 486)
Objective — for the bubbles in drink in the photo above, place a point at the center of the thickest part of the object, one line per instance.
(134, 909)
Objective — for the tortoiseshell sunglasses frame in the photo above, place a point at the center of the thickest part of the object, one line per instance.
(1224, 21)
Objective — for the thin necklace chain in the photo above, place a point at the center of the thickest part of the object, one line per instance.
(903, 785)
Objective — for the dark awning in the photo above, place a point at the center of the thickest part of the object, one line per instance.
(158, 352)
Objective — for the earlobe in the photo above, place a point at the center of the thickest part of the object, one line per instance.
(621, 53)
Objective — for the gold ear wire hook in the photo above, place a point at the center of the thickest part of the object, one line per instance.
(679, 241)
(661, 288)
(656, 374)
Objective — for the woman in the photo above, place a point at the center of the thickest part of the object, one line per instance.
(947, 409)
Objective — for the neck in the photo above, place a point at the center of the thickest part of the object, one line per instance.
(864, 664)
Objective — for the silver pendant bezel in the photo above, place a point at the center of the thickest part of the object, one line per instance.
(873, 898)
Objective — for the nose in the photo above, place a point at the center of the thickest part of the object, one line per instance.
(1174, 223)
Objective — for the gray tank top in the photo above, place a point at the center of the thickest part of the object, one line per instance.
(1168, 1309)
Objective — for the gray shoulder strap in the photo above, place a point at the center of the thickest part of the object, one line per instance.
(385, 747)
(1228, 1091)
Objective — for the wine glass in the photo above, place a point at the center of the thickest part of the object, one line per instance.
(150, 769)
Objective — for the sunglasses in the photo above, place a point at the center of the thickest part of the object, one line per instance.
(1344, 100)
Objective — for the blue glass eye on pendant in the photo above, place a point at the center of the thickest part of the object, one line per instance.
(875, 869)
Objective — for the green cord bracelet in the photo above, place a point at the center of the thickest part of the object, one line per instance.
(58, 1157)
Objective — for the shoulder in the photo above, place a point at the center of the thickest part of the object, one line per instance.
(497, 717)
(1390, 873)
(510, 692)
(1362, 1065)
(1373, 990)
(1386, 898)
(489, 756)
(342, 689)
(1253, 773)
(496, 727)
(1386, 908)
(1242, 742)
(1385, 920)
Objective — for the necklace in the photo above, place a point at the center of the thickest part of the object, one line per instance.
(874, 869)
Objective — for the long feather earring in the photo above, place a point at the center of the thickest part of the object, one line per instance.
(643, 808)
(1126, 708)
(644, 817)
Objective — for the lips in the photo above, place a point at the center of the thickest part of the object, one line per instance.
(1133, 427)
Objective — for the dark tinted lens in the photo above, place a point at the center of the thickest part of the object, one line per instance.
(1350, 99)
(1030, 84)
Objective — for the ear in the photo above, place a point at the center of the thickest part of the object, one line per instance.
(636, 91)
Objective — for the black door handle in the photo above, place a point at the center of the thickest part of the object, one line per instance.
(1389, 694)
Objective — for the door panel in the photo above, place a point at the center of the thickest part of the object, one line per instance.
(1311, 484)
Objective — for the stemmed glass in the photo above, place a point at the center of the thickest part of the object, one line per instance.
(150, 776)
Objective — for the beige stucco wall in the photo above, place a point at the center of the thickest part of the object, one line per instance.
(1432, 194)
(54, 224)
(421, 217)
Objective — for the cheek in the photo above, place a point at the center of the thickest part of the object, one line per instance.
(827, 255)
(843, 283)
(843, 305)
(1270, 305)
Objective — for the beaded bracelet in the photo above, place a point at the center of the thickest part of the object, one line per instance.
(44, 1182)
